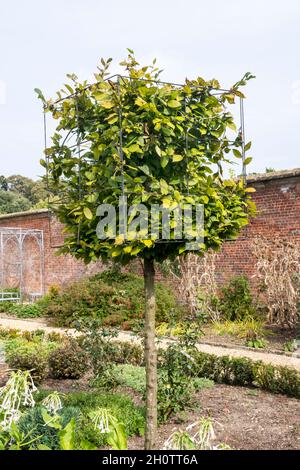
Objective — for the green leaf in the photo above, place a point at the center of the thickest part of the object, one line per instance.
(158, 150)
(88, 213)
(174, 104)
(40, 94)
(164, 161)
(177, 158)
(43, 447)
(164, 186)
(247, 160)
(67, 436)
(237, 153)
(145, 169)
(248, 146)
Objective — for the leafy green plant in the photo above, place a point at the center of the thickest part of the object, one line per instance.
(128, 353)
(25, 310)
(96, 341)
(68, 361)
(32, 354)
(104, 420)
(132, 376)
(236, 301)
(14, 439)
(113, 298)
(256, 343)
(9, 333)
(188, 439)
(291, 345)
(245, 329)
(121, 406)
(33, 362)
(176, 371)
(245, 372)
(175, 142)
(22, 345)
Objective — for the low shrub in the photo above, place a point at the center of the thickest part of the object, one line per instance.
(29, 354)
(25, 310)
(277, 379)
(68, 362)
(33, 423)
(111, 296)
(201, 383)
(21, 345)
(32, 361)
(235, 300)
(248, 329)
(97, 342)
(245, 372)
(9, 333)
(5, 306)
(121, 406)
(128, 353)
(131, 376)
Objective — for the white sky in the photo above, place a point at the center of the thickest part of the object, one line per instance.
(41, 41)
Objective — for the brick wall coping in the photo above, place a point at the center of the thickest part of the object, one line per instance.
(273, 175)
(38, 212)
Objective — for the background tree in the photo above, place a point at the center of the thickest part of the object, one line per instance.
(174, 144)
(19, 193)
(13, 202)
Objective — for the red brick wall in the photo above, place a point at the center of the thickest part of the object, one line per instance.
(57, 269)
(278, 204)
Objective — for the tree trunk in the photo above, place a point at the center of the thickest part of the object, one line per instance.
(150, 356)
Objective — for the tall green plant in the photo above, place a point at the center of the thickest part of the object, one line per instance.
(174, 144)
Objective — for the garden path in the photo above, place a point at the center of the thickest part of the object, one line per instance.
(269, 358)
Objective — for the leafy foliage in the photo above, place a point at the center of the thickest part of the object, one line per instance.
(19, 193)
(25, 310)
(31, 355)
(114, 297)
(157, 121)
(245, 372)
(97, 342)
(235, 300)
(121, 406)
(175, 378)
(68, 362)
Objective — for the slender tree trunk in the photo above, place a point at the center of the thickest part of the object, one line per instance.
(150, 356)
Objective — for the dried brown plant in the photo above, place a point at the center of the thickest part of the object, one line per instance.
(278, 272)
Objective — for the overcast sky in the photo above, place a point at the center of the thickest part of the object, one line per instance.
(41, 41)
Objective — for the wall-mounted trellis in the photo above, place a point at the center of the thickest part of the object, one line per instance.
(12, 254)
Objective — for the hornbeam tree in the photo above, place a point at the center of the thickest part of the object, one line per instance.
(157, 144)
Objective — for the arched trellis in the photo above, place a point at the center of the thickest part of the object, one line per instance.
(116, 81)
(18, 236)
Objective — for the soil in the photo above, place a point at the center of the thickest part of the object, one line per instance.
(244, 419)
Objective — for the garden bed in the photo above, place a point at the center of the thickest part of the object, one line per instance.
(276, 338)
(247, 419)
(244, 418)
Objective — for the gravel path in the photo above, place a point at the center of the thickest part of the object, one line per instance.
(269, 358)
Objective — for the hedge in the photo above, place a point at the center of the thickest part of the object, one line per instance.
(245, 372)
